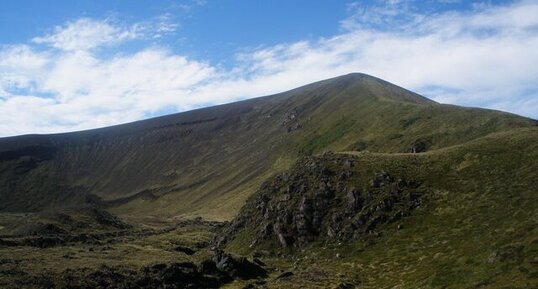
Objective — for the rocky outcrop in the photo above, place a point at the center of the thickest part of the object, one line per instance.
(210, 273)
(324, 198)
(238, 268)
(38, 228)
(105, 218)
(419, 146)
(291, 120)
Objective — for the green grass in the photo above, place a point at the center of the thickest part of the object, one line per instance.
(407, 122)
(328, 136)
(478, 226)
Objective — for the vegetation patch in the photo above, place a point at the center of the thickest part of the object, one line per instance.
(323, 139)
(407, 122)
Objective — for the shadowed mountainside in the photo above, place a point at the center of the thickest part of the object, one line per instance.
(207, 162)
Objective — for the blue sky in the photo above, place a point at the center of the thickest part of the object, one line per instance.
(71, 65)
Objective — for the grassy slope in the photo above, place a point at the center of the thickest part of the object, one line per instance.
(207, 162)
(485, 208)
(477, 229)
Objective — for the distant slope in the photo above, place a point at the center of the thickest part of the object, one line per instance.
(206, 162)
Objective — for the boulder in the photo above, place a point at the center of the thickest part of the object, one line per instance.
(185, 250)
(238, 268)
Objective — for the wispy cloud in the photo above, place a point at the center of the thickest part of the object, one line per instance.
(382, 15)
(85, 34)
(60, 81)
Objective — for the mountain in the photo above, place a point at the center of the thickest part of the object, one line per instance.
(206, 162)
(350, 182)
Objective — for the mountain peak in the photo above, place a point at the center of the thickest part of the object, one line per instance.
(361, 85)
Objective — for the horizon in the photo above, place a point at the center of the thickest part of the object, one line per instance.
(92, 65)
(235, 101)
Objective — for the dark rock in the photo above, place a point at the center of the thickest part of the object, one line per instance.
(174, 275)
(238, 268)
(261, 253)
(40, 229)
(208, 267)
(185, 250)
(267, 229)
(44, 242)
(419, 146)
(201, 245)
(286, 274)
(293, 127)
(157, 267)
(259, 262)
(179, 273)
(345, 285)
(353, 199)
(105, 218)
(260, 282)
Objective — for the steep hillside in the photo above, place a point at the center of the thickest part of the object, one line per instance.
(459, 217)
(207, 162)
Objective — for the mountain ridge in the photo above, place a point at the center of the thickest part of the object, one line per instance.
(351, 77)
(194, 162)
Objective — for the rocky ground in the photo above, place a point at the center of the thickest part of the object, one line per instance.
(91, 248)
(213, 272)
(56, 250)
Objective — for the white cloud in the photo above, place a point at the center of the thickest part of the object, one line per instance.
(485, 57)
(85, 34)
(18, 67)
(90, 92)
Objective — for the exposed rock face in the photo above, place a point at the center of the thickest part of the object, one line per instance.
(324, 198)
(291, 120)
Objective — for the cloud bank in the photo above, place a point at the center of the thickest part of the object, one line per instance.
(77, 76)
